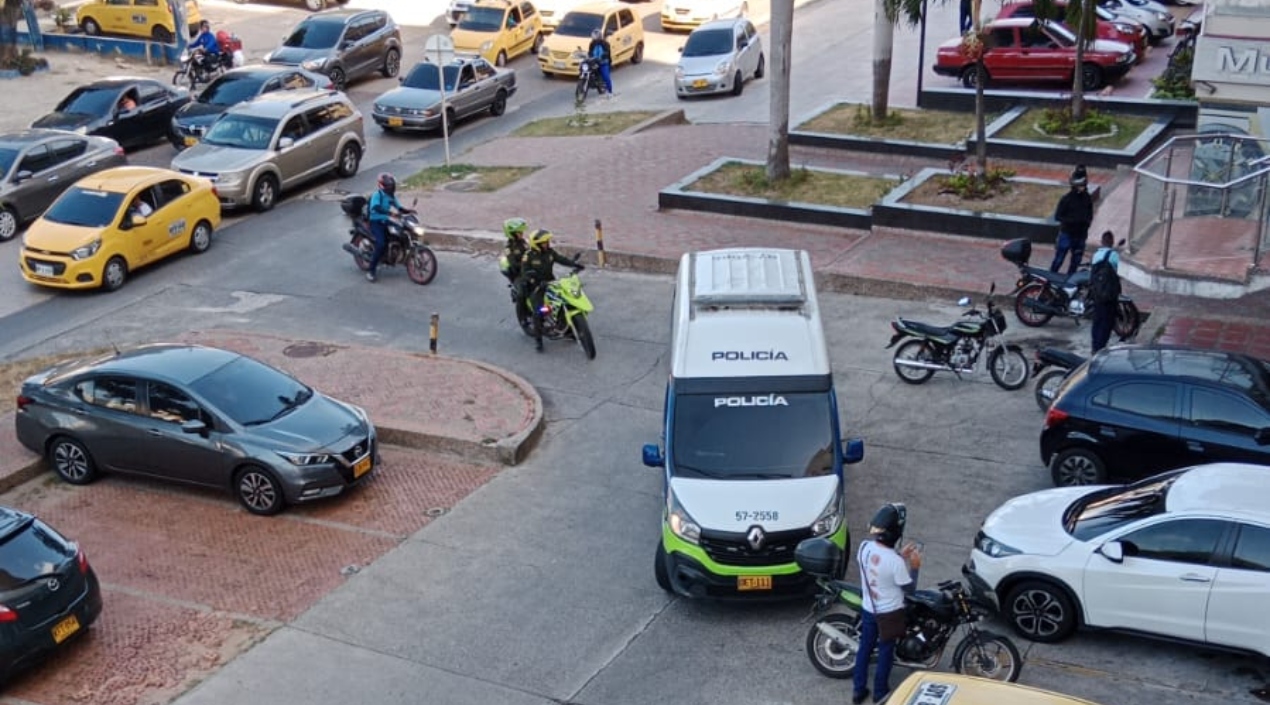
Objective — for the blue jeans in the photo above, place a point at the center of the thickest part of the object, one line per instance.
(886, 658)
(1065, 244)
(378, 231)
(1104, 321)
(606, 73)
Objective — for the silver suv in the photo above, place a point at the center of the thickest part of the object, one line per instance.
(345, 45)
(275, 142)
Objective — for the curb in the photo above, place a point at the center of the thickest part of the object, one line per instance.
(22, 475)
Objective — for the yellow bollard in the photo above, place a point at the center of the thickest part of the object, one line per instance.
(599, 243)
(432, 333)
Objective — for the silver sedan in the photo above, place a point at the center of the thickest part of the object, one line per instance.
(719, 57)
(472, 86)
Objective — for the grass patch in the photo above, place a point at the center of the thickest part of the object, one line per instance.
(584, 123)
(1128, 127)
(933, 126)
(486, 178)
(13, 373)
(804, 186)
(1022, 198)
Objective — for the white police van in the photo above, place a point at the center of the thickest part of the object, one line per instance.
(752, 456)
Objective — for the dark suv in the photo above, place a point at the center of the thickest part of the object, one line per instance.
(1134, 411)
(48, 592)
(345, 45)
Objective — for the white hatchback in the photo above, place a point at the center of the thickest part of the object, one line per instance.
(719, 57)
(1182, 555)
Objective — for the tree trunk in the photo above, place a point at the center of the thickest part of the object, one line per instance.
(782, 33)
(1078, 85)
(10, 16)
(883, 44)
(981, 120)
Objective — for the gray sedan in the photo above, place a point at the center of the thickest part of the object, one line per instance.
(472, 85)
(38, 165)
(196, 415)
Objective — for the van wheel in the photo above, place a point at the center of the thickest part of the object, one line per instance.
(350, 159)
(265, 193)
(659, 569)
(392, 63)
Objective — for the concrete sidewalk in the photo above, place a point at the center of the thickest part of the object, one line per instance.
(431, 402)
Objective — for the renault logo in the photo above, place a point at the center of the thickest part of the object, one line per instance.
(755, 537)
(53, 584)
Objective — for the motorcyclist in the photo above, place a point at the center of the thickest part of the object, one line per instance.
(536, 271)
(886, 576)
(205, 48)
(382, 204)
(600, 50)
(513, 252)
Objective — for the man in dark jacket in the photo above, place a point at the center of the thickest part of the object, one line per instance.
(536, 270)
(600, 49)
(1074, 214)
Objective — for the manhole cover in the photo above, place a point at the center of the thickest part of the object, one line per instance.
(436, 511)
(462, 186)
(308, 349)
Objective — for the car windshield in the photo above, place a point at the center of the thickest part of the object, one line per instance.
(709, 43)
(242, 131)
(7, 158)
(250, 392)
(315, 35)
(85, 207)
(231, 89)
(482, 19)
(30, 550)
(1104, 510)
(753, 436)
(89, 101)
(579, 24)
(424, 77)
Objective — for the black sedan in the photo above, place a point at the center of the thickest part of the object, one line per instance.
(48, 592)
(200, 416)
(234, 87)
(134, 112)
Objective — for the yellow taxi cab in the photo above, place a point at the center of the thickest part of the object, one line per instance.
(151, 19)
(115, 221)
(930, 688)
(498, 30)
(563, 51)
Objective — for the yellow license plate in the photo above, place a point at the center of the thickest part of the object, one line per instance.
(699, 83)
(362, 467)
(65, 628)
(753, 582)
(394, 122)
(191, 141)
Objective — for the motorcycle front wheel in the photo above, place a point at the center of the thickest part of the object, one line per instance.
(182, 78)
(1027, 315)
(1047, 386)
(1128, 320)
(583, 331)
(421, 265)
(579, 93)
(1009, 368)
(988, 655)
(831, 658)
(914, 351)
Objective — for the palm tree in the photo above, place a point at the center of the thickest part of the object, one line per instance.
(886, 13)
(782, 26)
(1082, 17)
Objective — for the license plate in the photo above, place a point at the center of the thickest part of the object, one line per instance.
(44, 270)
(699, 83)
(394, 122)
(558, 64)
(753, 582)
(190, 141)
(361, 467)
(65, 628)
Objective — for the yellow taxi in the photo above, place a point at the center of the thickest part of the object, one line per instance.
(498, 30)
(151, 19)
(115, 221)
(930, 688)
(563, 51)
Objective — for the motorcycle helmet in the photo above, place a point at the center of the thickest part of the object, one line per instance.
(388, 183)
(514, 227)
(540, 240)
(1079, 177)
(887, 526)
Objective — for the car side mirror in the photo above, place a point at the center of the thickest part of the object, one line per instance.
(285, 143)
(22, 176)
(852, 450)
(345, 45)
(194, 426)
(681, 50)
(742, 44)
(653, 457)
(1112, 551)
(137, 220)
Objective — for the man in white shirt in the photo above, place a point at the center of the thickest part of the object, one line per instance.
(886, 575)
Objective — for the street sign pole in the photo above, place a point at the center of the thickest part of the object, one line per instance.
(440, 50)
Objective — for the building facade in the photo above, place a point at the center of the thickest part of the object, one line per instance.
(1231, 69)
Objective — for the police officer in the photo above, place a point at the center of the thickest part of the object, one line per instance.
(513, 252)
(536, 270)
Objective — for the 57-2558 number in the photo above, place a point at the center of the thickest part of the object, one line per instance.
(760, 515)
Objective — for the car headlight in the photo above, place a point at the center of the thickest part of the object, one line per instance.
(724, 67)
(87, 250)
(992, 547)
(81, 130)
(1162, 16)
(1124, 58)
(313, 64)
(486, 46)
(306, 458)
(679, 72)
(1124, 29)
(830, 520)
(268, 57)
(544, 52)
(231, 178)
(577, 56)
(681, 523)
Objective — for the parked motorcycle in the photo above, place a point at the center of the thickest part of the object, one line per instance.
(564, 312)
(1050, 367)
(1040, 294)
(195, 68)
(405, 241)
(958, 348)
(932, 617)
(589, 79)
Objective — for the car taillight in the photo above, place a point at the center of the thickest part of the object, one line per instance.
(24, 401)
(119, 151)
(82, 559)
(1054, 416)
(7, 615)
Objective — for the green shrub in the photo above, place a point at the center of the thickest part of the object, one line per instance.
(1059, 121)
(968, 184)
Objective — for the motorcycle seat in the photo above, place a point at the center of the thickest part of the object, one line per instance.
(933, 600)
(943, 334)
(1060, 358)
(1080, 278)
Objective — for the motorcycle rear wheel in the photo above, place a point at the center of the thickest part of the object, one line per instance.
(366, 247)
(1009, 368)
(988, 655)
(583, 329)
(1028, 316)
(917, 350)
(421, 265)
(1047, 386)
(828, 656)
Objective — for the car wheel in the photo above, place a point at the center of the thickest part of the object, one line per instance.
(258, 491)
(496, 108)
(450, 118)
(161, 35)
(90, 26)
(338, 78)
(501, 60)
(114, 274)
(350, 160)
(71, 461)
(8, 223)
(1091, 77)
(537, 44)
(638, 56)
(1077, 466)
(201, 238)
(970, 76)
(1040, 611)
(762, 67)
(265, 193)
(738, 83)
(315, 5)
(392, 63)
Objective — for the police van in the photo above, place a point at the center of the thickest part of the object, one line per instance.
(751, 453)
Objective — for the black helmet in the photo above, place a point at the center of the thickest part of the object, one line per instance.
(388, 183)
(887, 526)
(1079, 177)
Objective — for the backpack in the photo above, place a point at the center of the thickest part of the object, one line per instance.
(1104, 283)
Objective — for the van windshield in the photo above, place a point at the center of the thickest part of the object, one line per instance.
(753, 435)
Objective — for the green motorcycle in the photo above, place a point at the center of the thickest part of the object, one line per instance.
(564, 310)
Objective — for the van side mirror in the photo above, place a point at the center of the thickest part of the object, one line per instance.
(1112, 551)
(852, 450)
(653, 457)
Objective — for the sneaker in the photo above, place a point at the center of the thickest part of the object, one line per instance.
(538, 346)
(858, 698)
(370, 276)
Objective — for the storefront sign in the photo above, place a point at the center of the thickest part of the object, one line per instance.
(1232, 60)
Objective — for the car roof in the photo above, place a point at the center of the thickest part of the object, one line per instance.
(1237, 488)
(116, 81)
(957, 689)
(597, 8)
(122, 179)
(341, 15)
(23, 138)
(1217, 367)
(261, 70)
(180, 363)
(279, 103)
(1011, 22)
(724, 23)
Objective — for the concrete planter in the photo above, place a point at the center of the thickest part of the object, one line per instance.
(875, 145)
(1072, 152)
